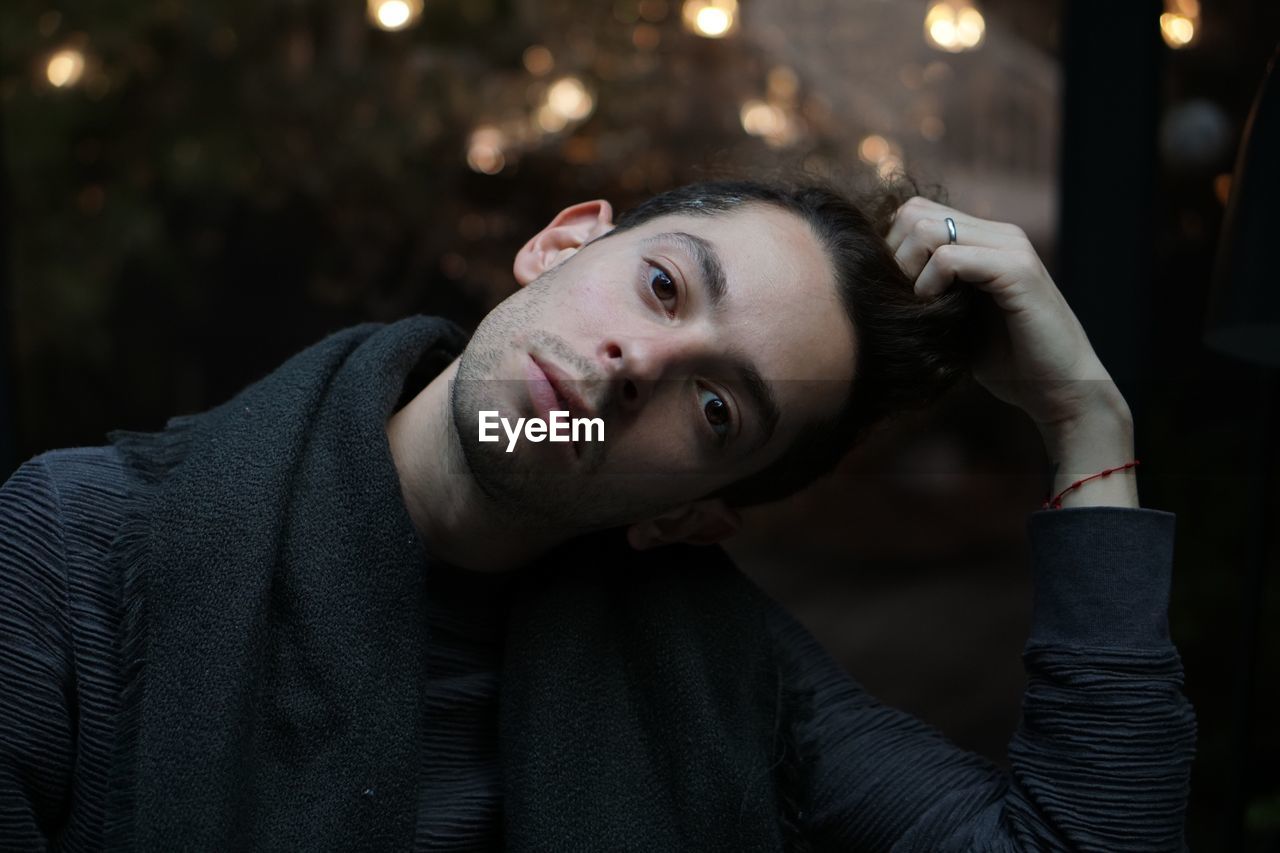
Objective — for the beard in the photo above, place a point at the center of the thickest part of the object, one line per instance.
(527, 487)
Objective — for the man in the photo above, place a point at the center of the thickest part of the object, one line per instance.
(586, 681)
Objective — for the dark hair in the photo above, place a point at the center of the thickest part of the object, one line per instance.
(908, 350)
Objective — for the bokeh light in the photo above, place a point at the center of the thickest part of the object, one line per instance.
(549, 120)
(1178, 30)
(392, 15)
(1222, 187)
(1180, 22)
(65, 68)
(883, 153)
(783, 82)
(484, 151)
(768, 121)
(538, 60)
(954, 26)
(710, 18)
(568, 97)
(761, 119)
(873, 149)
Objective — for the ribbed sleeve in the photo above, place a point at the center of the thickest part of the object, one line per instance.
(1101, 759)
(37, 737)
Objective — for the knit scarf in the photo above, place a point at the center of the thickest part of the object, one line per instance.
(274, 644)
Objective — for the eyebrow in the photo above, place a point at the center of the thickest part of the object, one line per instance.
(711, 272)
(708, 260)
(761, 396)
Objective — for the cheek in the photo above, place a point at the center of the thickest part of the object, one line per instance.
(575, 309)
(663, 440)
(603, 302)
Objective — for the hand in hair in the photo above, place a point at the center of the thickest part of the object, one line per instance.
(1038, 357)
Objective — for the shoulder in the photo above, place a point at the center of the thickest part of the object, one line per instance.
(69, 495)
(74, 475)
(73, 470)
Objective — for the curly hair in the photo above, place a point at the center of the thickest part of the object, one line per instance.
(909, 350)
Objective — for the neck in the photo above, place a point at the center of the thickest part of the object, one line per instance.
(455, 520)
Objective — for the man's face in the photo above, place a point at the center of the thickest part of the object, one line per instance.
(705, 343)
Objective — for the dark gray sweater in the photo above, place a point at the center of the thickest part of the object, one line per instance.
(1100, 761)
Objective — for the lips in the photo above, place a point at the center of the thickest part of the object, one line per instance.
(545, 395)
(567, 395)
(542, 392)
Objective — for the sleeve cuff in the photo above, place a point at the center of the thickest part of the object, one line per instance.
(1101, 576)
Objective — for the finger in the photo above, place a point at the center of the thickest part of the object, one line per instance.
(904, 220)
(929, 234)
(909, 216)
(918, 207)
(985, 268)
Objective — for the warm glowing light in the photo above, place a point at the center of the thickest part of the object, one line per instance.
(712, 22)
(65, 68)
(954, 26)
(646, 37)
(881, 153)
(1178, 30)
(943, 33)
(760, 119)
(873, 149)
(1222, 187)
(394, 15)
(484, 151)
(970, 28)
(783, 82)
(710, 18)
(889, 166)
(932, 128)
(580, 150)
(538, 60)
(550, 120)
(1180, 22)
(767, 121)
(570, 99)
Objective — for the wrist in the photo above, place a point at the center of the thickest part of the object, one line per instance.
(1106, 411)
(1090, 444)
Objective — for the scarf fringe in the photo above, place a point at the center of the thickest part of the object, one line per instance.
(148, 456)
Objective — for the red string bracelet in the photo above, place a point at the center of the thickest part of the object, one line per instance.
(1056, 502)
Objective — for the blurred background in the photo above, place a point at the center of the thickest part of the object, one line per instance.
(193, 190)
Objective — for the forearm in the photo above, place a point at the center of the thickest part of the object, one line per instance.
(1107, 740)
(1101, 760)
(1101, 437)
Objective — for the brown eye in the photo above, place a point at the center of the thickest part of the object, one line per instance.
(717, 413)
(662, 285)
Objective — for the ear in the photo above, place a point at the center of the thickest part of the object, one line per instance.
(572, 228)
(699, 523)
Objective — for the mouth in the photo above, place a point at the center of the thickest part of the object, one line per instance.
(566, 394)
(549, 390)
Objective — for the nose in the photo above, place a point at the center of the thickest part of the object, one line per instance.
(634, 366)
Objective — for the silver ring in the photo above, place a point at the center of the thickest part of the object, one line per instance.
(951, 229)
